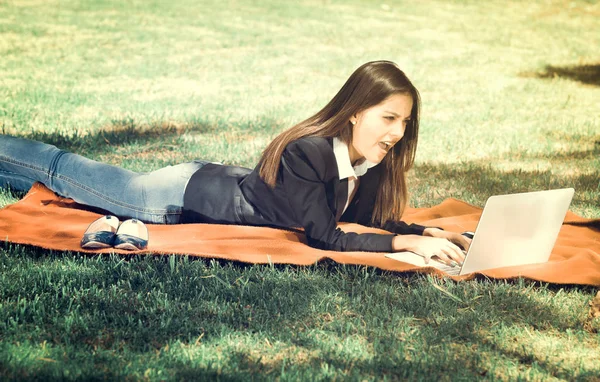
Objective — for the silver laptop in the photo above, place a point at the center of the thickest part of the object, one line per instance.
(513, 230)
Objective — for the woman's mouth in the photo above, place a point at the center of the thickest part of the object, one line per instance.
(385, 145)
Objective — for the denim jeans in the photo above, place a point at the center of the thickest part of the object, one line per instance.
(155, 197)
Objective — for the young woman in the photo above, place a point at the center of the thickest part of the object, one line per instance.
(348, 162)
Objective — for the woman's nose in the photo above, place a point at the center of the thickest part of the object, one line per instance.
(398, 130)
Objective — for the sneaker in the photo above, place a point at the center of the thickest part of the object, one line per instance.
(101, 233)
(132, 235)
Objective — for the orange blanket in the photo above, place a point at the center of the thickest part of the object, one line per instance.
(42, 219)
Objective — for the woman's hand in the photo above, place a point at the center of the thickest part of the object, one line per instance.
(429, 246)
(456, 238)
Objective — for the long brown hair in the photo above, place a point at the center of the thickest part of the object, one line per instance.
(369, 85)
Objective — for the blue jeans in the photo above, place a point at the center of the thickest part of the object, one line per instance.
(155, 197)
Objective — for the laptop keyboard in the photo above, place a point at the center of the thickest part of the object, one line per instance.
(452, 270)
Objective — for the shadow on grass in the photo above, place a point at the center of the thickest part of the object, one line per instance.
(475, 181)
(468, 337)
(120, 133)
(586, 74)
(159, 135)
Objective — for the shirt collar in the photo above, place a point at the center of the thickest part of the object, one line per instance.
(342, 157)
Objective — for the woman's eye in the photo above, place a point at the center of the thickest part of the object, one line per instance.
(390, 118)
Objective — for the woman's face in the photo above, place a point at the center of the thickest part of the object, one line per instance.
(377, 129)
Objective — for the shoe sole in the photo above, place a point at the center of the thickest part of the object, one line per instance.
(127, 246)
(95, 245)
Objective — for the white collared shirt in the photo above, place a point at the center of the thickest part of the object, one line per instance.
(346, 170)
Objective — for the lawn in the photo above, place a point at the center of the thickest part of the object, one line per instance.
(510, 95)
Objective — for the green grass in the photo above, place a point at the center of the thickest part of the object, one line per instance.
(108, 316)
(510, 95)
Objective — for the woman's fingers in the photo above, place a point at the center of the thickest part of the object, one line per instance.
(453, 257)
(427, 257)
(464, 242)
(450, 254)
(456, 253)
(442, 248)
(444, 258)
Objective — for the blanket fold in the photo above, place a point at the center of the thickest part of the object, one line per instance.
(45, 220)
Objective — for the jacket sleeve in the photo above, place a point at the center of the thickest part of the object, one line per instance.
(304, 172)
(402, 228)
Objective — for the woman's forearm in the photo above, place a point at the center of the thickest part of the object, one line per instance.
(405, 242)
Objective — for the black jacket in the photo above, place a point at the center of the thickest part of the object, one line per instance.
(308, 194)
